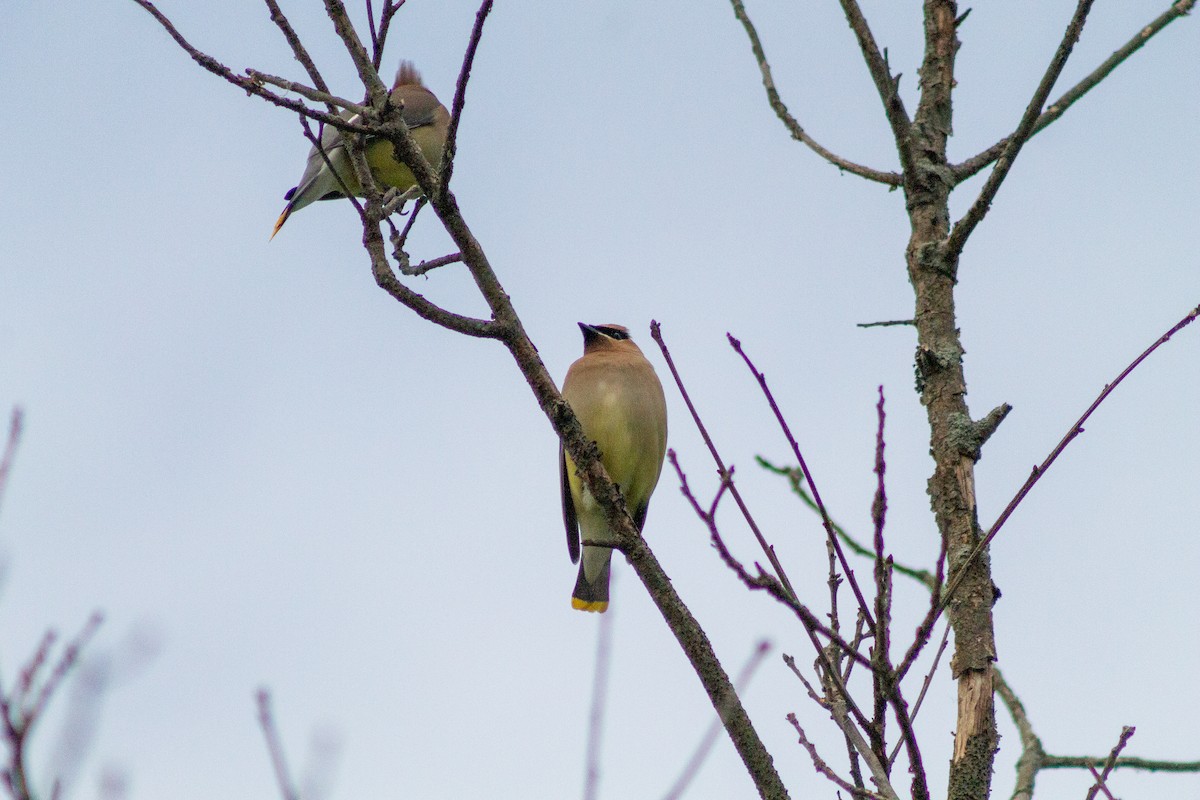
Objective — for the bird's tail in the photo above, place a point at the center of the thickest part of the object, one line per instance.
(287, 212)
(592, 595)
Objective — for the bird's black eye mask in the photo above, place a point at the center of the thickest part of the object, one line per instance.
(613, 333)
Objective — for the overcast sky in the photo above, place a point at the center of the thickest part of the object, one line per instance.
(268, 473)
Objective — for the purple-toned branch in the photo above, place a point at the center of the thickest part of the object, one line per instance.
(1126, 734)
(881, 665)
(722, 471)
(1074, 431)
(266, 720)
(460, 94)
(23, 705)
(15, 425)
(823, 768)
(825, 520)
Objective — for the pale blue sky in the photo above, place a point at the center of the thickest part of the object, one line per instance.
(269, 473)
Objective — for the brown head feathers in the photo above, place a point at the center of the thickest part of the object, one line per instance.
(605, 336)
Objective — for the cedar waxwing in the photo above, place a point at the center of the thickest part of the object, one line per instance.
(427, 121)
(619, 402)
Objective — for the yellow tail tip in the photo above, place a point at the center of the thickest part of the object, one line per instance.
(595, 606)
(279, 222)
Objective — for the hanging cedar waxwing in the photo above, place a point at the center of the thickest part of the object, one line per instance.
(619, 402)
(427, 121)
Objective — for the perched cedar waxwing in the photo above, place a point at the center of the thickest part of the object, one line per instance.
(427, 121)
(619, 402)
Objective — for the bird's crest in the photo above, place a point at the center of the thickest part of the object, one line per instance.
(407, 75)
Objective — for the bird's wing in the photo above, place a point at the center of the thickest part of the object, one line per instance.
(570, 521)
(639, 514)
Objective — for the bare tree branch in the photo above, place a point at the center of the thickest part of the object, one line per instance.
(823, 768)
(795, 479)
(741, 683)
(761, 378)
(368, 73)
(246, 84)
(1126, 734)
(298, 49)
(885, 84)
(15, 426)
(460, 94)
(591, 784)
(1056, 109)
(1075, 430)
(23, 705)
(333, 101)
(963, 228)
(266, 720)
(722, 471)
(794, 128)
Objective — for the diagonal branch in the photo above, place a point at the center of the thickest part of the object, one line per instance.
(794, 128)
(975, 214)
(1075, 430)
(885, 84)
(460, 94)
(367, 73)
(1178, 9)
(722, 471)
(316, 95)
(245, 83)
(863, 606)
(1110, 762)
(298, 48)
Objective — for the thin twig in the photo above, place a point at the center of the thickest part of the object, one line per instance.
(770, 584)
(793, 126)
(1074, 431)
(307, 92)
(963, 228)
(591, 783)
(796, 480)
(1030, 761)
(885, 85)
(741, 683)
(881, 666)
(367, 71)
(390, 7)
(1176, 10)
(460, 95)
(66, 662)
(1125, 762)
(1101, 777)
(298, 48)
(937, 657)
(823, 768)
(266, 720)
(15, 425)
(1099, 786)
(787, 432)
(887, 323)
(432, 264)
(245, 83)
(722, 471)
(764, 580)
